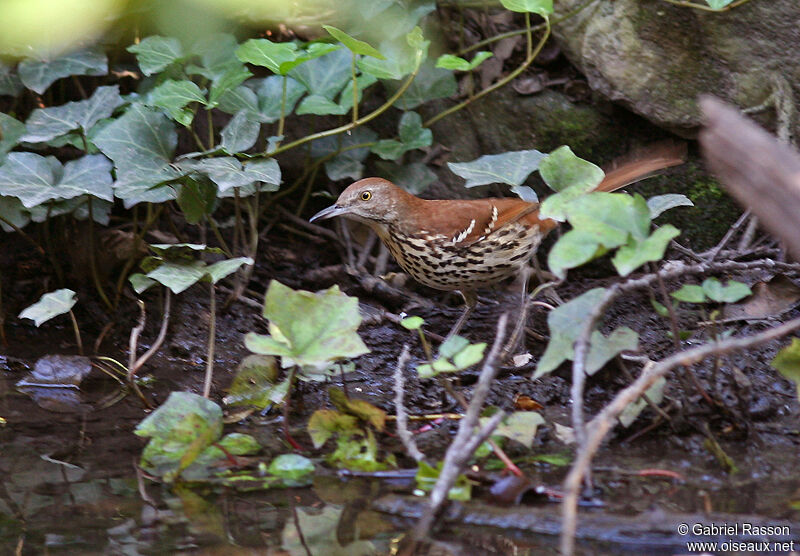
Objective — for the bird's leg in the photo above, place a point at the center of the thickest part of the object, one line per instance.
(470, 300)
(511, 346)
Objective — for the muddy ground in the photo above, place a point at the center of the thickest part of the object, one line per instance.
(755, 423)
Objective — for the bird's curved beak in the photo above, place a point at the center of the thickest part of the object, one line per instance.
(330, 212)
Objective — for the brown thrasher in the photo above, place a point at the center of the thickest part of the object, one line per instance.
(467, 244)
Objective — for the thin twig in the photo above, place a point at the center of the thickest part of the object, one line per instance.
(212, 332)
(402, 416)
(162, 333)
(605, 420)
(466, 440)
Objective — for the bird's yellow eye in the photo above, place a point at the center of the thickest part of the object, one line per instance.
(366, 195)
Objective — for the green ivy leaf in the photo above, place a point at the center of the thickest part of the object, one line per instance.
(232, 78)
(541, 7)
(519, 426)
(689, 293)
(270, 96)
(427, 476)
(294, 469)
(10, 132)
(362, 409)
(430, 83)
(661, 203)
(52, 304)
(604, 349)
(787, 362)
(573, 249)
(173, 97)
(349, 163)
(718, 4)
(252, 385)
(563, 330)
(562, 170)
(412, 323)
(264, 52)
(179, 431)
(13, 212)
(220, 269)
(352, 44)
(451, 62)
(38, 75)
(730, 293)
(325, 423)
(10, 83)
(314, 50)
(240, 134)
(45, 124)
(196, 199)
(311, 328)
(512, 167)
(324, 76)
(34, 179)
(155, 53)
(414, 177)
(412, 136)
(655, 394)
(637, 252)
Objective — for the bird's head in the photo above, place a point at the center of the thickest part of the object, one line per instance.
(373, 201)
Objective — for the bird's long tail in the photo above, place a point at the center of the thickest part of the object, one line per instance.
(643, 163)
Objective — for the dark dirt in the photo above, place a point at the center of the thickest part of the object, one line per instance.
(755, 424)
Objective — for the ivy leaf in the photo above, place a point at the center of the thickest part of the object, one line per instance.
(325, 423)
(173, 96)
(240, 134)
(561, 170)
(541, 7)
(563, 330)
(264, 52)
(451, 62)
(10, 132)
(363, 82)
(314, 50)
(412, 136)
(255, 378)
(414, 177)
(431, 83)
(655, 394)
(50, 305)
(359, 408)
(155, 53)
(399, 60)
(196, 199)
(324, 77)
(238, 99)
(573, 249)
(312, 328)
(787, 362)
(232, 78)
(348, 163)
(228, 172)
(519, 426)
(294, 469)
(512, 167)
(636, 252)
(45, 124)
(661, 203)
(427, 476)
(34, 179)
(603, 349)
(270, 97)
(179, 431)
(689, 293)
(718, 4)
(38, 75)
(352, 44)
(12, 212)
(730, 293)
(220, 269)
(141, 144)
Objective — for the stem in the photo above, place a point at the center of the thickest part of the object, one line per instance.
(286, 434)
(703, 7)
(212, 331)
(282, 119)
(162, 333)
(210, 121)
(218, 235)
(93, 259)
(77, 332)
(355, 88)
(354, 124)
(532, 53)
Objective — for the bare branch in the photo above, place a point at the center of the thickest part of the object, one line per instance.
(402, 417)
(466, 440)
(602, 423)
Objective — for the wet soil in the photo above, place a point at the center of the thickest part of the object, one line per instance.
(68, 480)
